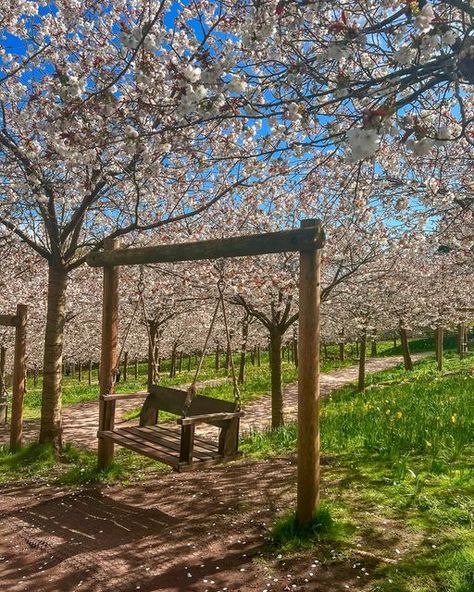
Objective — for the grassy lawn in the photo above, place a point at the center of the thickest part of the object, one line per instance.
(257, 377)
(402, 455)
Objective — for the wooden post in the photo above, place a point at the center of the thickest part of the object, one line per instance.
(19, 383)
(308, 382)
(108, 357)
(3, 392)
(125, 366)
(363, 352)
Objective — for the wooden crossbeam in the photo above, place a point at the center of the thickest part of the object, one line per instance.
(307, 238)
(8, 320)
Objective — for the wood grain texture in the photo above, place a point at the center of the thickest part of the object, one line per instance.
(307, 238)
(308, 386)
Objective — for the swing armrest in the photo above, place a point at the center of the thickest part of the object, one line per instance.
(208, 417)
(122, 396)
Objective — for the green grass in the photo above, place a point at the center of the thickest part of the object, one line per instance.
(403, 450)
(287, 535)
(75, 467)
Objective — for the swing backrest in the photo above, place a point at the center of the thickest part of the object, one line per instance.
(173, 400)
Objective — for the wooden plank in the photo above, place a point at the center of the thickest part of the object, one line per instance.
(123, 396)
(174, 439)
(198, 441)
(208, 418)
(8, 320)
(139, 447)
(164, 439)
(175, 435)
(307, 238)
(308, 387)
(108, 357)
(187, 444)
(136, 435)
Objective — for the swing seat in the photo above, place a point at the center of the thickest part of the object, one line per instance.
(178, 446)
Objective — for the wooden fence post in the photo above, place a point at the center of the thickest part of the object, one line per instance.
(108, 357)
(19, 372)
(308, 381)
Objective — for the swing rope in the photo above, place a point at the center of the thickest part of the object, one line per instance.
(192, 391)
(235, 383)
(140, 300)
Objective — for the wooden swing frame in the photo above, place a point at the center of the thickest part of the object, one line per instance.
(308, 240)
(19, 321)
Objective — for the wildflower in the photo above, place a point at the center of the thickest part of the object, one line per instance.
(453, 418)
(428, 444)
(387, 412)
(399, 414)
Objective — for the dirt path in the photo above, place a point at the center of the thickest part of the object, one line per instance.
(81, 420)
(197, 532)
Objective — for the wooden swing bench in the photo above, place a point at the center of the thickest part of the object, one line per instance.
(178, 446)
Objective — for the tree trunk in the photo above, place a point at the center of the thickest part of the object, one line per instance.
(173, 361)
(228, 353)
(259, 358)
(125, 367)
(218, 357)
(136, 368)
(439, 347)
(276, 382)
(405, 349)
(89, 372)
(461, 332)
(51, 420)
(152, 351)
(373, 349)
(243, 349)
(3, 392)
(295, 352)
(79, 374)
(341, 352)
(362, 356)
